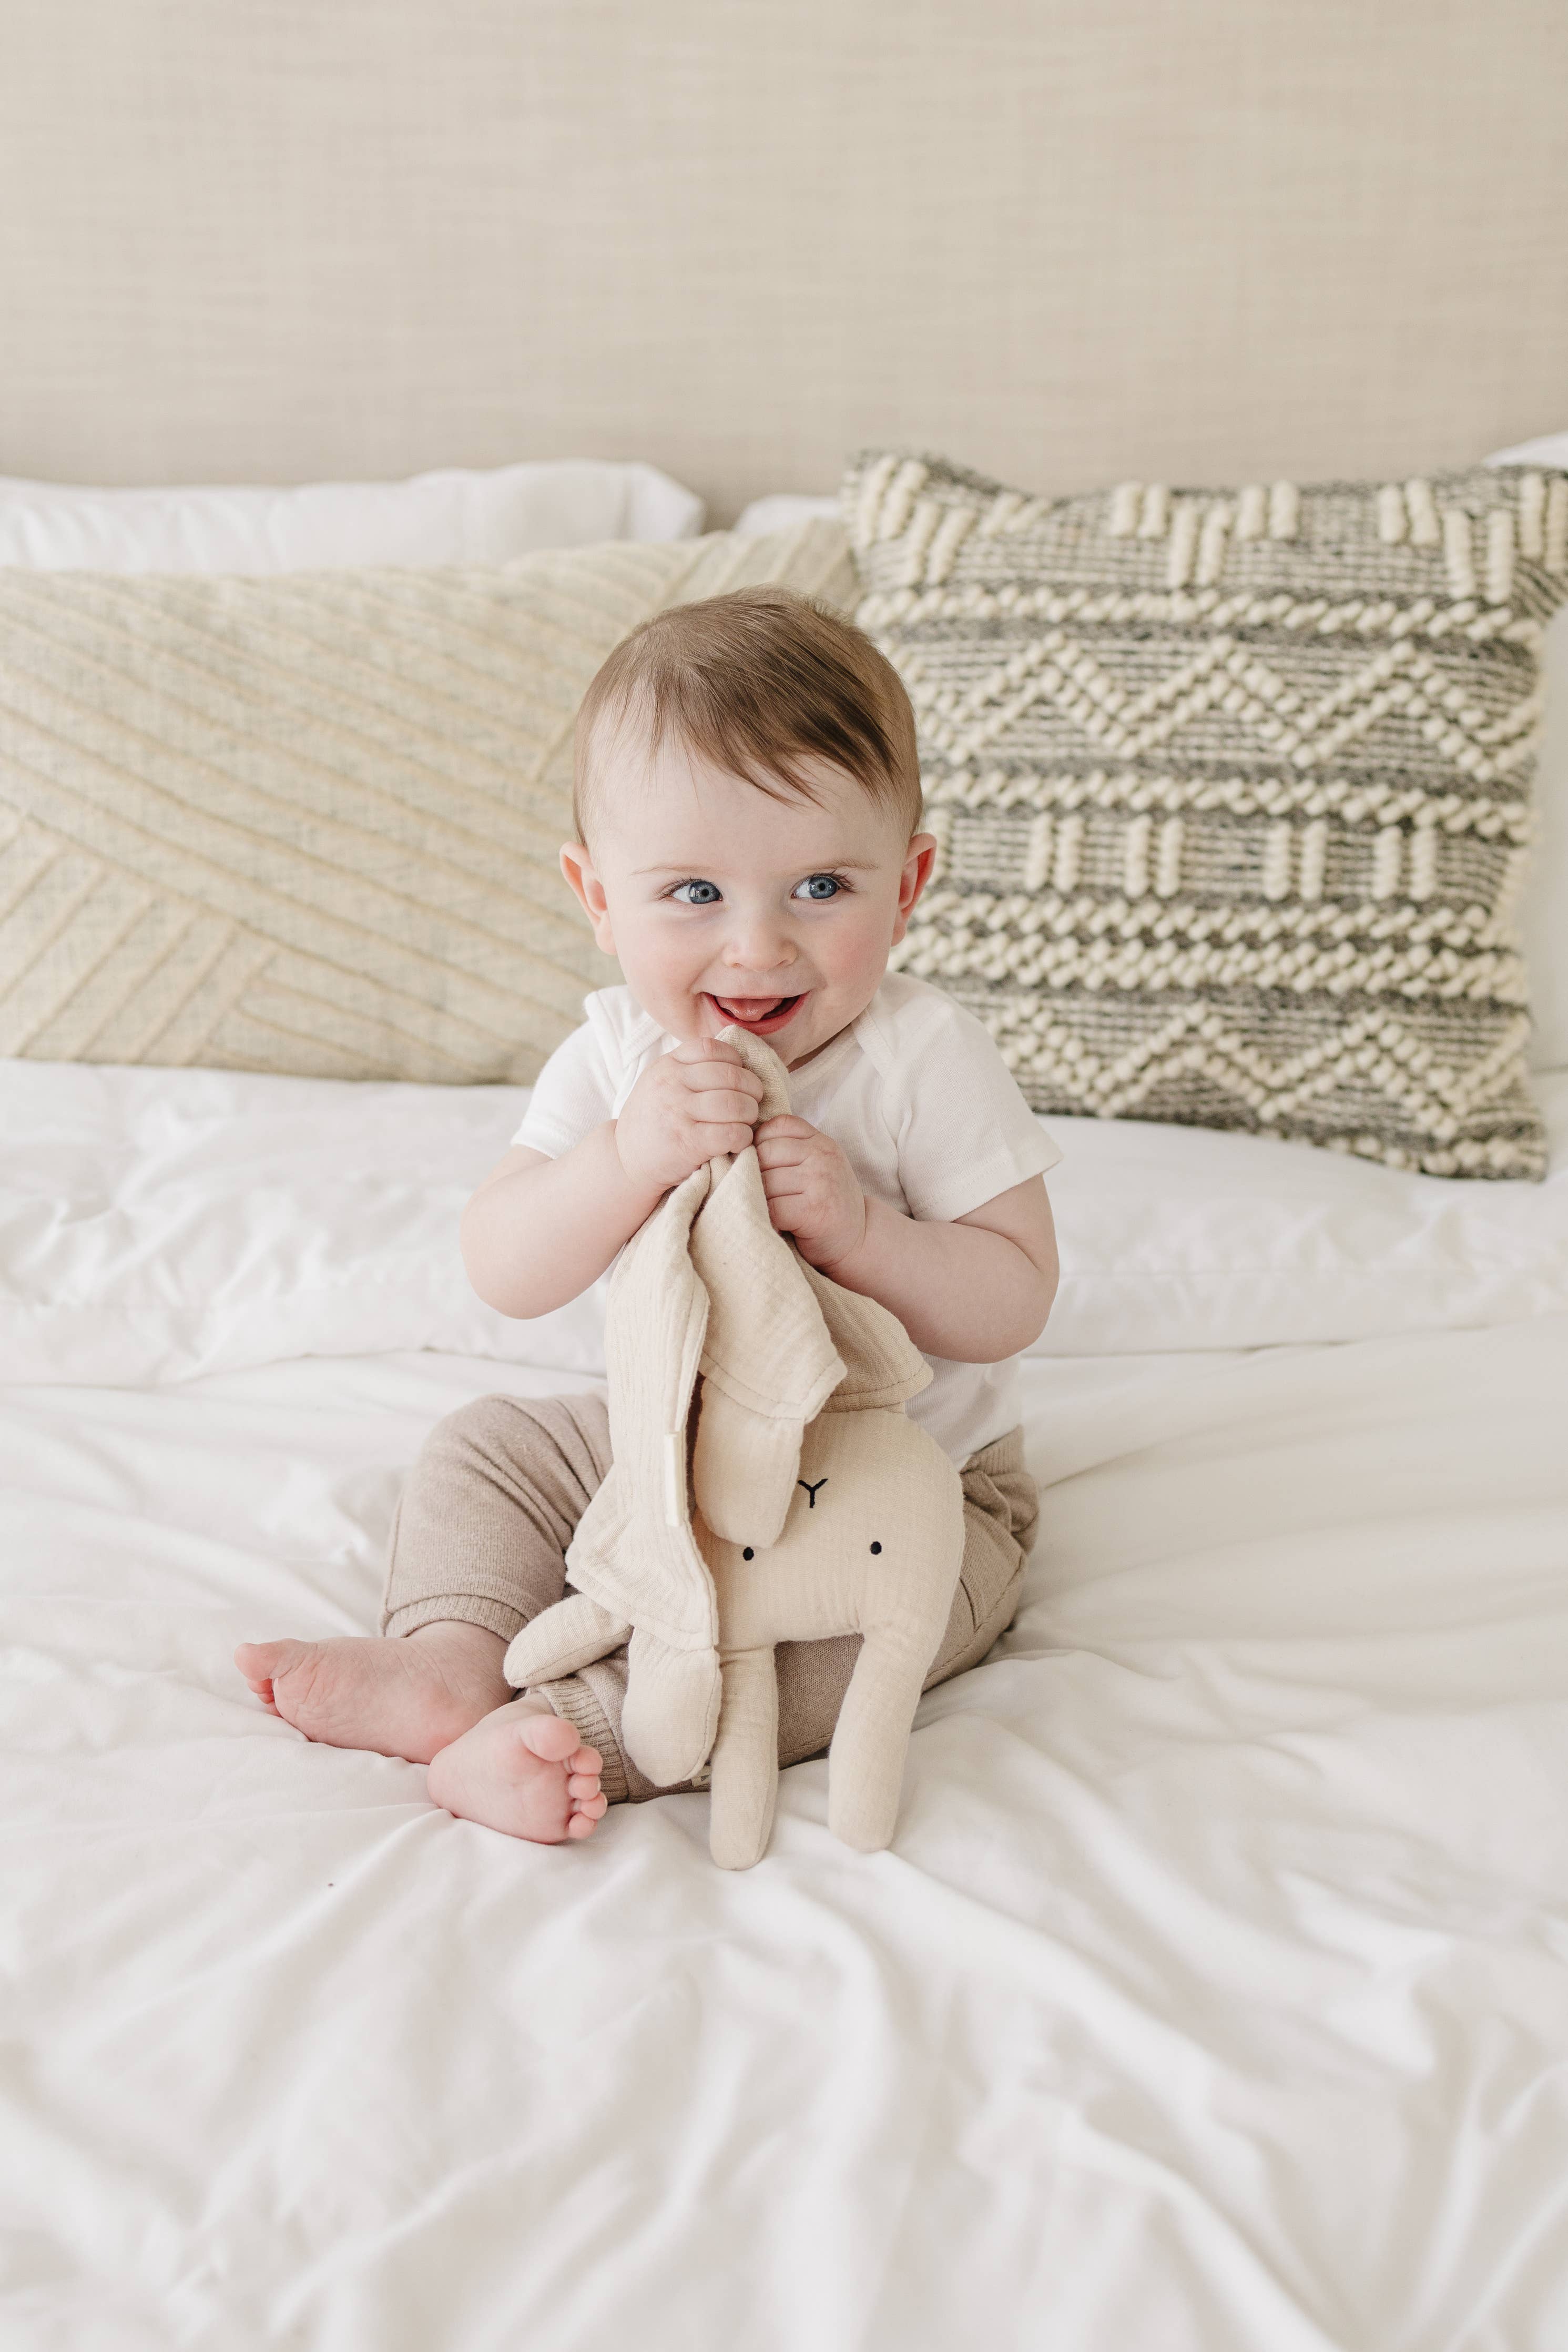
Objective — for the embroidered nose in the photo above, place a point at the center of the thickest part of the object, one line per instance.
(812, 1492)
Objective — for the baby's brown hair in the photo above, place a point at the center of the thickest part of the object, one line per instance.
(760, 682)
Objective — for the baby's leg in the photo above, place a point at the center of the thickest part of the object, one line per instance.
(477, 1549)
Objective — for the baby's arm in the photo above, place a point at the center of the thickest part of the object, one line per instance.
(976, 1290)
(538, 1231)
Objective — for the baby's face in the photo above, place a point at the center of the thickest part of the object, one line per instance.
(724, 905)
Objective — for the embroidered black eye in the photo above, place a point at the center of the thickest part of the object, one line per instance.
(748, 1553)
(876, 1547)
(696, 894)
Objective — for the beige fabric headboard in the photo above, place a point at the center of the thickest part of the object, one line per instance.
(1067, 240)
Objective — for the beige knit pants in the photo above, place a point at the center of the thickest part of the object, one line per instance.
(487, 1511)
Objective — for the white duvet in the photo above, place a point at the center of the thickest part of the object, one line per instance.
(1214, 1997)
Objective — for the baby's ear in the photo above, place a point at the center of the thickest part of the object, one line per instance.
(577, 865)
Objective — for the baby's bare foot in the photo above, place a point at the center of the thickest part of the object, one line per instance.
(408, 1698)
(523, 1771)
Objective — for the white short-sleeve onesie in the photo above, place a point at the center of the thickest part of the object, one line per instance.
(915, 1093)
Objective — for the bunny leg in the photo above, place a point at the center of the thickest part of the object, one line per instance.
(560, 1640)
(671, 1709)
(745, 1761)
(865, 1762)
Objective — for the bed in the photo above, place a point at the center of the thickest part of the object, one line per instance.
(1214, 1994)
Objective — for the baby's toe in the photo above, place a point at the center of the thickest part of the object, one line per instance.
(261, 1662)
(583, 1784)
(254, 1660)
(548, 1735)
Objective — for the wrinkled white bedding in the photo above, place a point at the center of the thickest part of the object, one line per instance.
(1213, 1999)
(159, 1224)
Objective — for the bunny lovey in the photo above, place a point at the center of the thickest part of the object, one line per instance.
(766, 1486)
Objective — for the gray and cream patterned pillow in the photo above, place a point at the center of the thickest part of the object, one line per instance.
(1232, 790)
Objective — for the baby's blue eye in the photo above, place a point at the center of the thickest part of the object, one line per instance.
(819, 886)
(697, 894)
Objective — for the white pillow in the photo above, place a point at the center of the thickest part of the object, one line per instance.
(159, 1224)
(452, 517)
(782, 511)
(1543, 909)
(1177, 1238)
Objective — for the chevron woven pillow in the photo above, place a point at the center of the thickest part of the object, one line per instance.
(308, 823)
(1232, 790)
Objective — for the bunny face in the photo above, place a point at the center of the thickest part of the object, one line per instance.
(870, 1537)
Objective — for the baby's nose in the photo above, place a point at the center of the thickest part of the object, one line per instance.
(758, 947)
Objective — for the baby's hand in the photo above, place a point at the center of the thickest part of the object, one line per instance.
(686, 1107)
(813, 1191)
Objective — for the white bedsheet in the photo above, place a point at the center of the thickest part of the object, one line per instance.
(155, 1225)
(1214, 1997)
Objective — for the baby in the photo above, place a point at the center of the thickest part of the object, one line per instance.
(747, 805)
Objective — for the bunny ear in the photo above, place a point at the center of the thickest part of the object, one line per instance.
(758, 1056)
(769, 1365)
(883, 1366)
(633, 1551)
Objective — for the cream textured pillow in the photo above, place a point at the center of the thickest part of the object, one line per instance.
(310, 824)
(1233, 792)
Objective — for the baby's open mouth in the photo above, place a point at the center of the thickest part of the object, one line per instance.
(761, 1014)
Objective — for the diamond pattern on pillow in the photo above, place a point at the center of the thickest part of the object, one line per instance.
(1232, 790)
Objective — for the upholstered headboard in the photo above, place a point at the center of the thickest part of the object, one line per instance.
(1067, 239)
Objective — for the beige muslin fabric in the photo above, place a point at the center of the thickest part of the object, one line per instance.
(789, 1498)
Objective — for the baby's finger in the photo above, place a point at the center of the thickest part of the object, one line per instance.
(704, 1077)
(725, 1107)
(705, 1049)
(779, 1160)
(711, 1140)
(780, 1150)
(783, 1126)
